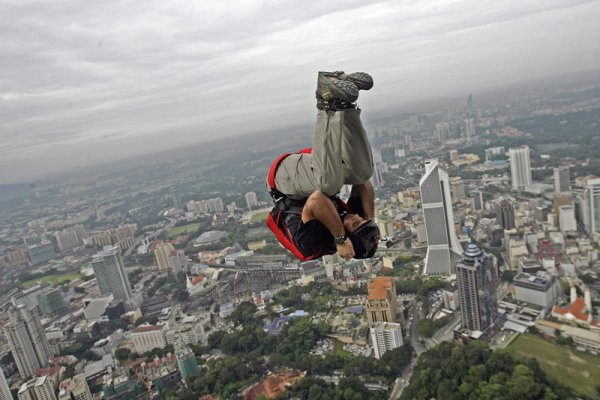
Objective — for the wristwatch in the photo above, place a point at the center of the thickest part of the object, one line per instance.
(341, 239)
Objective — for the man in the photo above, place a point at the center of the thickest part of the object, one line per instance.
(341, 154)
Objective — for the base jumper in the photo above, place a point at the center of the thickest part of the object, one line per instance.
(308, 218)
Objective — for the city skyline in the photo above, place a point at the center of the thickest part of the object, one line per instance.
(100, 83)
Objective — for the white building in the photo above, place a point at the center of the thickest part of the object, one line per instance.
(439, 220)
(591, 207)
(566, 219)
(540, 289)
(148, 337)
(251, 200)
(385, 336)
(520, 168)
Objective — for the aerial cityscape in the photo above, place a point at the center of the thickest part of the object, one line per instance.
(137, 255)
(162, 280)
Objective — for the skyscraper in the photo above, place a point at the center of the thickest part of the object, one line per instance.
(505, 215)
(520, 168)
(477, 199)
(385, 336)
(27, 340)
(469, 128)
(110, 273)
(591, 207)
(5, 393)
(562, 177)
(476, 282)
(439, 220)
(251, 200)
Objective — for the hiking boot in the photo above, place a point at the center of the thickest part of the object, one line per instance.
(330, 87)
(362, 80)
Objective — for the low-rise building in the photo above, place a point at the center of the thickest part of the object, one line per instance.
(75, 388)
(148, 337)
(540, 289)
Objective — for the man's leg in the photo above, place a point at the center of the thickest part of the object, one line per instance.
(327, 152)
(356, 149)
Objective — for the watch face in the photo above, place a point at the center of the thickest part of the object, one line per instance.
(340, 239)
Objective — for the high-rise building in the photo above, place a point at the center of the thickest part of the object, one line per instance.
(41, 388)
(251, 200)
(187, 363)
(520, 168)
(439, 220)
(562, 178)
(110, 273)
(27, 340)
(476, 283)
(385, 336)
(590, 207)
(505, 215)
(70, 238)
(382, 300)
(457, 188)
(5, 393)
(170, 259)
(477, 196)
(469, 128)
(453, 155)
(378, 171)
(75, 388)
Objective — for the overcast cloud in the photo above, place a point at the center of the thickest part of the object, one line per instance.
(85, 82)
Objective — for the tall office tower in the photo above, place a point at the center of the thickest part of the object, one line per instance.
(476, 282)
(385, 336)
(469, 128)
(251, 200)
(27, 340)
(566, 219)
(439, 220)
(5, 393)
(110, 273)
(591, 207)
(505, 215)
(378, 171)
(562, 179)
(520, 168)
(477, 199)
(381, 301)
(457, 188)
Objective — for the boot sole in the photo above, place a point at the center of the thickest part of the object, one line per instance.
(329, 89)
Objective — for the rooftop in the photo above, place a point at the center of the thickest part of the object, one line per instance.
(147, 328)
(576, 309)
(380, 287)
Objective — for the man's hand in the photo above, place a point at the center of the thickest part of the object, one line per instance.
(345, 250)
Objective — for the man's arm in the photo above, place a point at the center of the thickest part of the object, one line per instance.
(318, 206)
(366, 194)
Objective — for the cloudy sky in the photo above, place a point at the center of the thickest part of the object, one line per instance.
(86, 82)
